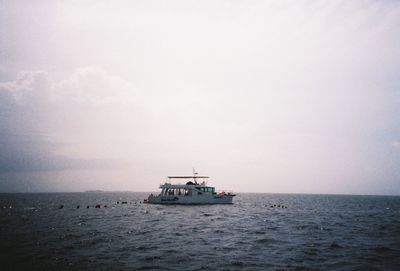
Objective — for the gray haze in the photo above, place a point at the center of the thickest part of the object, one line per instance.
(263, 96)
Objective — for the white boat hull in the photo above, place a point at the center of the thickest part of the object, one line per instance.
(187, 200)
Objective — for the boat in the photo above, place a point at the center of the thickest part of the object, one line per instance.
(191, 192)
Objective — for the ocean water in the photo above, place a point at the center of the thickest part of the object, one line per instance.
(314, 232)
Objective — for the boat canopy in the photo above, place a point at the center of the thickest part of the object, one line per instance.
(172, 186)
(187, 177)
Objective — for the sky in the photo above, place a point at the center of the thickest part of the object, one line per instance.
(262, 96)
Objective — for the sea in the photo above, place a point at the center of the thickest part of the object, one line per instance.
(65, 231)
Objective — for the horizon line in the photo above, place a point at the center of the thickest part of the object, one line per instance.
(131, 191)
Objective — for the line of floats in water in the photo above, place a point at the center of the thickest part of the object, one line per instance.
(276, 206)
(125, 202)
(97, 206)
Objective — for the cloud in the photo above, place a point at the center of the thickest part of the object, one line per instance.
(301, 97)
(35, 111)
(28, 87)
(23, 104)
(38, 155)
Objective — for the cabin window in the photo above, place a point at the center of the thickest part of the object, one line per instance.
(207, 189)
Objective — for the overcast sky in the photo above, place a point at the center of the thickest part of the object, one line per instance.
(263, 96)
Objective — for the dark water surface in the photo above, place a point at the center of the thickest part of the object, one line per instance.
(314, 232)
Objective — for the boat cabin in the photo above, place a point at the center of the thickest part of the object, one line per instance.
(177, 190)
(188, 189)
(191, 192)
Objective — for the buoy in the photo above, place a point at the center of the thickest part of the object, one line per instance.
(87, 207)
(61, 206)
(77, 207)
(117, 202)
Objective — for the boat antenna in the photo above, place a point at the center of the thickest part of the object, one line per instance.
(194, 175)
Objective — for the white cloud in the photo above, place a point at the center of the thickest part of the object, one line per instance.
(85, 85)
(28, 87)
